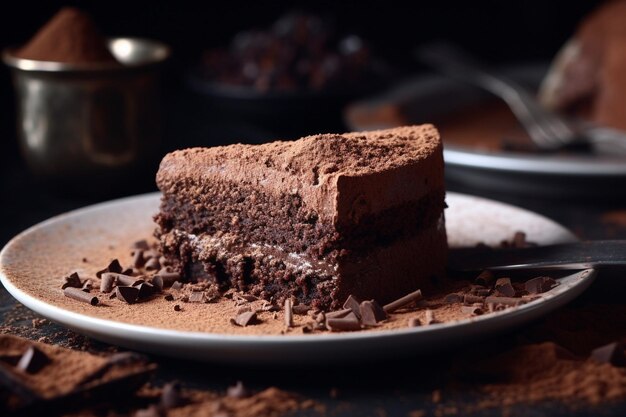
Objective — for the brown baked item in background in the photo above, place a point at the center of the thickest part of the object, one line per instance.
(588, 76)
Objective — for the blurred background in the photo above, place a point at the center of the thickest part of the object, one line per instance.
(500, 33)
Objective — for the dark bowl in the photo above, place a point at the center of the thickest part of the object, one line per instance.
(286, 114)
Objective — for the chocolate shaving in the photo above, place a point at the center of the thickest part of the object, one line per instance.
(245, 297)
(507, 301)
(141, 245)
(288, 312)
(71, 281)
(107, 282)
(473, 299)
(485, 278)
(157, 283)
(245, 319)
(79, 295)
(339, 313)
(414, 322)
(196, 297)
(237, 391)
(519, 240)
(371, 313)
(353, 304)
(114, 266)
(87, 285)
(152, 264)
(504, 287)
(401, 302)
(171, 396)
(430, 318)
(539, 285)
(127, 280)
(473, 310)
(168, 297)
(301, 309)
(130, 271)
(479, 290)
(453, 298)
(177, 285)
(138, 260)
(168, 278)
(350, 322)
(33, 360)
(612, 353)
(127, 294)
(145, 290)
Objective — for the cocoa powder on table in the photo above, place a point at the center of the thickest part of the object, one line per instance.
(71, 37)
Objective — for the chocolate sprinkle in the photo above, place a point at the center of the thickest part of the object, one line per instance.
(348, 323)
(507, 301)
(196, 297)
(485, 278)
(414, 322)
(107, 282)
(371, 314)
(504, 287)
(288, 312)
(353, 304)
(473, 310)
(301, 309)
(33, 360)
(170, 396)
(141, 245)
(127, 280)
(79, 295)
(339, 313)
(539, 285)
(612, 353)
(237, 391)
(127, 294)
(245, 319)
(401, 302)
(138, 260)
(153, 264)
(114, 266)
(453, 298)
(430, 318)
(473, 299)
(177, 307)
(72, 281)
(168, 278)
(145, 290)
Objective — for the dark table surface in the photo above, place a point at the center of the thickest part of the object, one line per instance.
(378, 389)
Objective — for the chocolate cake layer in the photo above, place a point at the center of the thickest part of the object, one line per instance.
(302, 218)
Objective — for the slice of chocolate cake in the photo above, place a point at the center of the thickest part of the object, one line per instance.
(316, 219)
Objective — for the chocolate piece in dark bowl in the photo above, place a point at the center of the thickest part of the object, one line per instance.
(300, 63)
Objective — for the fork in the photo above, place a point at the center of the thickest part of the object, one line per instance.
(547, 130)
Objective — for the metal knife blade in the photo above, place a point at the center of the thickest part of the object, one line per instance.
(567, 256)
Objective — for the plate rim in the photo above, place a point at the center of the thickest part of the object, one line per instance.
(106, 326)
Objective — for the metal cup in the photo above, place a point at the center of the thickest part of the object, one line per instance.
(90, 122)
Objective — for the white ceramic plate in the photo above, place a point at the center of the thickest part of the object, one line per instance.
(95, 228)
(428, 97)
